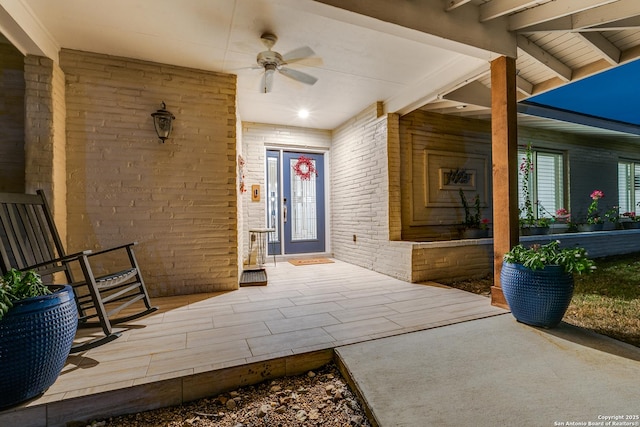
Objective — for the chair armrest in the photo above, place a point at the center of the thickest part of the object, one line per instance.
(103, 251)
(66, 258)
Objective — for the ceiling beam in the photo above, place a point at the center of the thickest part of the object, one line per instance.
(632, 23)
(457, 73)
(566, 24)
(497, 8)
(451, 107)
(545, 58)
(25, 32)
(622, 9)
(479, 95)
(458, 30)
(552, 10)
(452, 4)
(524, 86)
(474, 93)
(608, 50)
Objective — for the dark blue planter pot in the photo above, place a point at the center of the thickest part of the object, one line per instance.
(590, 227)
(474, 233)
(35, 339)
(534, 231)
(537, 297)
(631, 225)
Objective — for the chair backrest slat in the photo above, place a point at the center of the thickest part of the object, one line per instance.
(27, 232)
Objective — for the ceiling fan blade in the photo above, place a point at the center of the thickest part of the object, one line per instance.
(299, 76)
(298, 54)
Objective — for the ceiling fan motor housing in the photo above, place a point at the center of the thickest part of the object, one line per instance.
(269, 57)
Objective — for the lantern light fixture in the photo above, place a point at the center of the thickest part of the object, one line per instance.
(163, 121)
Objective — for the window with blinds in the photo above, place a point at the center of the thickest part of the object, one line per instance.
(628, 186)
(547, 183)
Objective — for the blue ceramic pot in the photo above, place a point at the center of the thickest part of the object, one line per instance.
(537, 297)
(36, 336)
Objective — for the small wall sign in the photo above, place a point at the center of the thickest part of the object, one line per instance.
(255, 193)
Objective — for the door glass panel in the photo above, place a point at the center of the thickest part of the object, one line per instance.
(303, 205)
(273, 202)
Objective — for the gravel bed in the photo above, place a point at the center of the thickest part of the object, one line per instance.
(318, 398)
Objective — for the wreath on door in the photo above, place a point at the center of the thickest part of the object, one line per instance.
(304, 168)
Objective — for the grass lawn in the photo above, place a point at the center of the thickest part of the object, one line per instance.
(607, 301)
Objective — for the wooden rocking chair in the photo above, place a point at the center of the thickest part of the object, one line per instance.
(30, 241)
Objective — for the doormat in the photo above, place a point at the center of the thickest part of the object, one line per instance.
(310, 261)
(253, 278)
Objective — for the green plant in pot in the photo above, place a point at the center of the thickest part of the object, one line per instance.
(15, 286)
(473, 226)
(37, 327)
(537, 281)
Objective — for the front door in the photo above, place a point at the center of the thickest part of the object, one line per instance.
(299, 208)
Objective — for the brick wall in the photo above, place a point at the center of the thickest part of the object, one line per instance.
(395, 177)
(457, 259)
(453, 260)
(360, 185)
(464, 259)
(256, 139)
(421, 130)
(177, 199)
(45, 140)
(11, 119)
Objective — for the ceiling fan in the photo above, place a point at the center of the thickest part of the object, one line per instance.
(272, 61)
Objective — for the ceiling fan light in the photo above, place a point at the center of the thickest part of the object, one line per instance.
(267, 79)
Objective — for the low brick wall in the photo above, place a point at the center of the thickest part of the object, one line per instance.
(463, 259)
(452, 260)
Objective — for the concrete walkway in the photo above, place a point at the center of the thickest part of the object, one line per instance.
(496, 372)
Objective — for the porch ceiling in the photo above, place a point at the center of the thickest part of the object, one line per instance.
(430, 54)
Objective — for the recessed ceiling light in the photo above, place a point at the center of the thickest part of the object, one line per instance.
(461, 107)
(303, 114)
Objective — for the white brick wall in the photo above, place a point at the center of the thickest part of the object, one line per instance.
(256, 138)
(360, 196)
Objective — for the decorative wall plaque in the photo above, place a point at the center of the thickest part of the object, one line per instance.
(457, 178)
(447, 172)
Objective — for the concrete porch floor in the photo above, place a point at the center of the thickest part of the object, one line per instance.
(202, 345)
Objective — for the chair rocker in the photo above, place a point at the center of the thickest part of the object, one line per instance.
(30, 241)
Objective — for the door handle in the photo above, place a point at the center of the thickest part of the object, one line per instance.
(284, 210)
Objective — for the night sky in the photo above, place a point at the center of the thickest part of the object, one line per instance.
(614, 95)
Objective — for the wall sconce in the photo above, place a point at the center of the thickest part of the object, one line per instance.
(163, 121)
